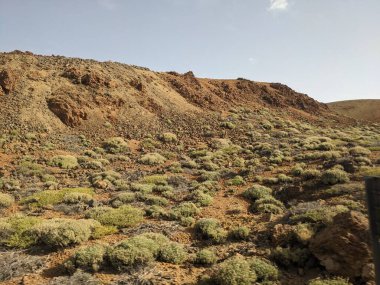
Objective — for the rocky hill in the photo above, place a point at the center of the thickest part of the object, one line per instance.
(66, 94)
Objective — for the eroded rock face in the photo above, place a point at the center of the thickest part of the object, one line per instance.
(67, 111)
(7, 80)
(343, 248)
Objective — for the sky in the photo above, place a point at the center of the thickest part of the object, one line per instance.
(328, 49)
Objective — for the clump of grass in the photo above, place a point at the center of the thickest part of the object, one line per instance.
(359, 151)
(236, 181)
(210, 229)
(184, 210)
(206, 257)
(64, 161)
(265, 270)
(124, 216)
(268, 204)
(123, 198)
(115, 145)
(152, 159)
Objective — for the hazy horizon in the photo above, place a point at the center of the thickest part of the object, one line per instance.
(328, 50)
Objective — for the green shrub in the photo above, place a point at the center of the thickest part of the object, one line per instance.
(142, 188)
(155, 179)
(228, 125)
(168, 137)
(310, 174)
(53, 197)
(359, 151)
(202, 198)
(115, 145)
(185, 209)
(291, 256)
(64, 161)
(123, 198)
(284, 178)
(173, 253)
(236, 181)
(257, 192)
(89, 258)
(268, 205)
(334, 176)
(6, 200)
(239, 233)
(206, 257)
(234, 271)
(15, 231)
(321, 214)
(152, 159)
(137, 251)
(77, 197)
(210, 229)
(63, 232)
(331, 281)
(124, 216)
(265, 271)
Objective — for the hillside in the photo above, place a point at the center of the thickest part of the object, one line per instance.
(68, 94)
(364, 110)
(115, 174)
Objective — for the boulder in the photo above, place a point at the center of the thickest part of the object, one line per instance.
(343, 247)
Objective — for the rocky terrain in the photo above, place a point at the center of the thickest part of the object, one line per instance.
(115, 174)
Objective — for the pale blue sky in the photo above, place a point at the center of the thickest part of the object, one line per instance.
(329, 49)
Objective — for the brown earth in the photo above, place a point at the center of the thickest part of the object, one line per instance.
(364, 110)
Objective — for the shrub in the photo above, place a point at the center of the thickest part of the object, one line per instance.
(210, 229)
(291, 256)
(185, 209)
(89, 258)
(63, 232)
(359, 151)
(236, 181)
(77, 197)
(152, 159)
(239, 233)
(320, 214)
(284, 178)
(168, 137)
(257, 192)
(53, 197)
(6, 200)
(234, 271)
(115, 145)
(123, 198)
(331, 281)
(228, 125)
(137, 251)
(79, 277)
(155, 179)
(173, 253)
(15, 231)
(268, 208)
(334, 176)
(202, 198)
(206, 257)
(64, 161)
(265, 271)
(310, 174)
(125, 216)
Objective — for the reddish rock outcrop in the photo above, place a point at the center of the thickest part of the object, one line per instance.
(67, 111)
(8, 80)
(343, 248)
